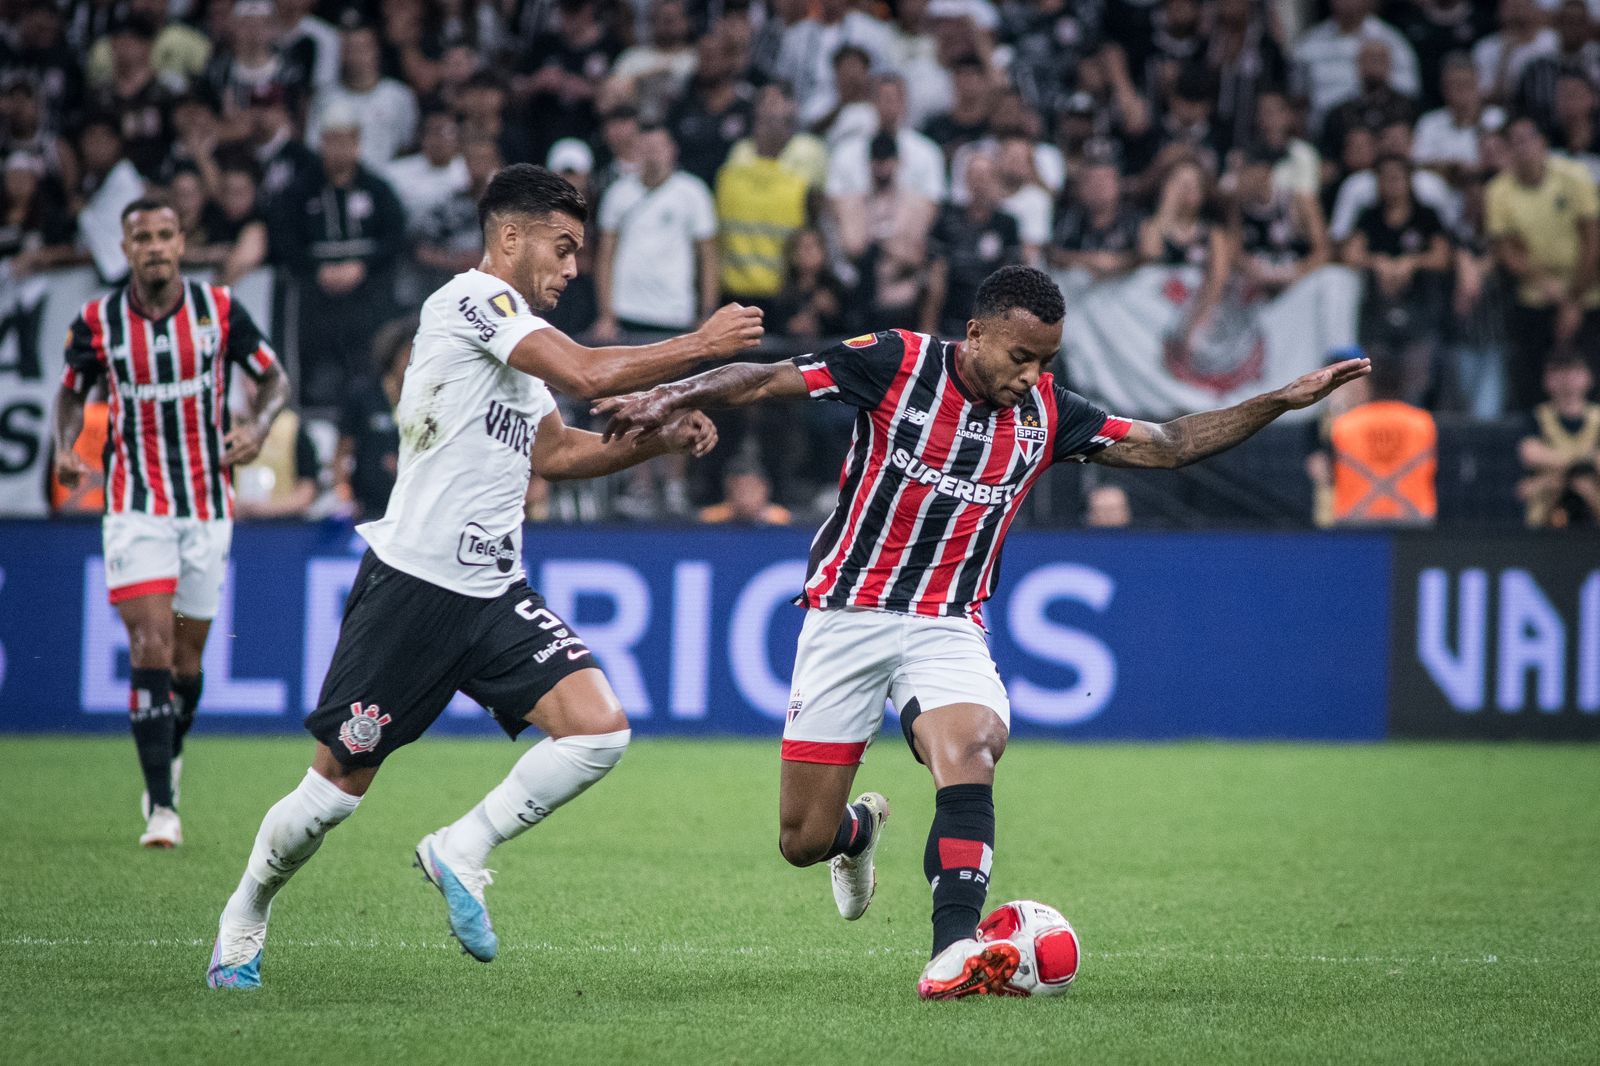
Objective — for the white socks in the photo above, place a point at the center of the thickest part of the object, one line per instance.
(549, 775)
(290, 834)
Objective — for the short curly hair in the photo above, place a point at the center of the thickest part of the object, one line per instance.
(1019, 288)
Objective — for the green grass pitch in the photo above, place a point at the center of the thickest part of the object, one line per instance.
(1237, 903)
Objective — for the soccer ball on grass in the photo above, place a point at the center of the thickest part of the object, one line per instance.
(1046, 940)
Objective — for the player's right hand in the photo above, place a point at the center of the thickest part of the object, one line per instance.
(70, 469)
(730, 330)
(640, 413)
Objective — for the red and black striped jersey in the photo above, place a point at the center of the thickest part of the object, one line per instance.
(934, 476)
(167, 387)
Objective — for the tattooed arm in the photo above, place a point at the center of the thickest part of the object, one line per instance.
(734, 385)
(1195, 437)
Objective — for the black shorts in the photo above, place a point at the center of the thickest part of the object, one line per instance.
(406, 646)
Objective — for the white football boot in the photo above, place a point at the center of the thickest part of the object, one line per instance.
(177, 776)
(236, 956)
(970, 968)
(162, 830)
(854, 880)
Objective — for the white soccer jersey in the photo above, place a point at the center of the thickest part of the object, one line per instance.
(467, 422)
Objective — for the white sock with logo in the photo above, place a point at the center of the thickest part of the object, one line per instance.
(550, 774)
(290, 834)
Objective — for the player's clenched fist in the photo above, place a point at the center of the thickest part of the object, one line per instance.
(731, 330)
(691, 433)
(70, 468)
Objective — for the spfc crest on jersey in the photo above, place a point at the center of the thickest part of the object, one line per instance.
(503, 304)
(1031, 436)
(363, 729)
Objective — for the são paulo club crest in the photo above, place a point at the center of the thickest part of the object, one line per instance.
(362, 731)
(1031, 436)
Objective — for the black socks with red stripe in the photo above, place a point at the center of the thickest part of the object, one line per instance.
(855, 832)
(185, 699)
(154, 726)
(956, 862)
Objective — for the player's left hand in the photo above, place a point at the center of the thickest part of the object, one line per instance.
(1307, 389)
(242, 445)
(691, 433)
(637, 412)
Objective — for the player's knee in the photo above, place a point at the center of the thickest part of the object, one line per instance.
(150, 647)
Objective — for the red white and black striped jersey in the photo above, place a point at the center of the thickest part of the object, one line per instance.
(934, 476)
(167, 387)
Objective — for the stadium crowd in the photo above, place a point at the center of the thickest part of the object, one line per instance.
(844, 165)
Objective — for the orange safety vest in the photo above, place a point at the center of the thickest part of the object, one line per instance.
(1384, 464)
(90, 495)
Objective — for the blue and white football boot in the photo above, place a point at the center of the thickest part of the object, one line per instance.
(236, 957)
(462, 888)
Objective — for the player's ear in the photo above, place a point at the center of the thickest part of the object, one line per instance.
(974, 332)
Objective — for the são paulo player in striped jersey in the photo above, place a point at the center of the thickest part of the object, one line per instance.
(164, 345)
(948, 440)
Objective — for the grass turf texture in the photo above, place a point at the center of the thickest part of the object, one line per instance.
(1270, 904)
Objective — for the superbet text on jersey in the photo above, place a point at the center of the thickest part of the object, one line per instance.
(934, 476)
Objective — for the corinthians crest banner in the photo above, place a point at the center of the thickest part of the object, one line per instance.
(1121, 349)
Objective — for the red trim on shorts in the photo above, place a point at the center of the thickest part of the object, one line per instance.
(828, 753)
(160, 586)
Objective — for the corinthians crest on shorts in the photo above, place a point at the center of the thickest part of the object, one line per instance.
(364, 728)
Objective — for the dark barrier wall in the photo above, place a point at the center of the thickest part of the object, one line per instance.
(1098, 636)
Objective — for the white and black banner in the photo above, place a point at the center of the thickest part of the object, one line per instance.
(1120, 349)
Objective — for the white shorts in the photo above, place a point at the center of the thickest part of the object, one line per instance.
(146, 555)
(849, 661)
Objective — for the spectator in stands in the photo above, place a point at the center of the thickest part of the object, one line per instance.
(281, 482)
(1298, 168)
(25, 130)
(1562, 451)
(746, 499)
(1437, 29)
(1185, 130)
(176, 50)
(35, 229)
(619, 136)
(1281, 235)
(1576, 52)
(1543, 216)
(813, 302)
(107, 183)
(760, 202)
(968, 117)
(1477, 329)
(1501, 57)
(1024, 197)
(852, 115)
(342, 234)
(1107, 98)
(1448, 139)
(1176, 44)
(1376, 104)
(968, 243)
(368, 454)
(914, 55)
(482, 105)
(919, 164)
(1404, 250)
(1325, 57)
(1181, 234)
(1359, 191)
(802, 154)
(140, 96)
(716, 111)
(805, 59)
(1577, 133)
(1098, 232)
(249, 61)
(430, 176)
(1245, 55)
(561, 72)
(1107, 507)
(884, 234)
(386, 108)
(1383, 460)
(659, 70)
(283, 160)
(449, 236)
(39, 53)
(656, 268)
(1047, 42)
(309, 42)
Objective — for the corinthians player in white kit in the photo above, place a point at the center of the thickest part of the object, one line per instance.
(440, 603)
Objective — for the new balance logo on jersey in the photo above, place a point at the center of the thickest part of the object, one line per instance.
(476, 320)
(916, 416)
(509, 428)
(479, 547)
(950, 485)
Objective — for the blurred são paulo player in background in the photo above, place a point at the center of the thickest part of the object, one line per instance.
(949, 438)
(164, 345)
(440, 603)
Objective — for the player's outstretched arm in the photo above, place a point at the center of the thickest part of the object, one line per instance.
(734, 385)
(1195, 437)
(590, 373)
(562, 453)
